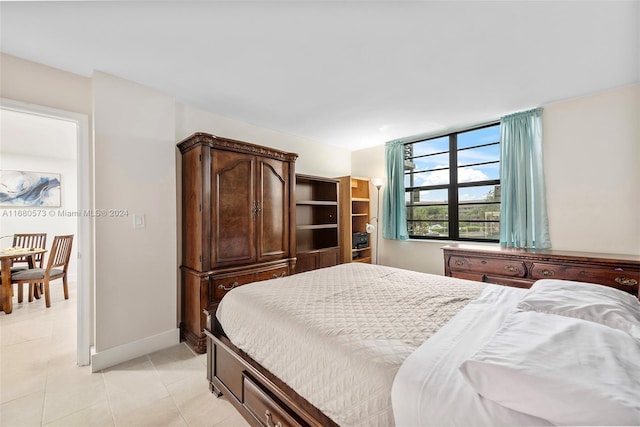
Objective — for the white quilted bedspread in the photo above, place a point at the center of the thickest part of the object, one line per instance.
(338, 335)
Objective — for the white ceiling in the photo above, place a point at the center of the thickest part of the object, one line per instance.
(353, 74)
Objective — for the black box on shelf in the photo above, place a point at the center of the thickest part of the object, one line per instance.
(360, 240)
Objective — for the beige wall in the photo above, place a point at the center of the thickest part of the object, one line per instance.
(38, 84)
(592, 151)
(592, 158)
(136, 290)
(314, 158)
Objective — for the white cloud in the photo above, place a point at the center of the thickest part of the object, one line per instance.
(437, 177)
(470, 174)
(442, 176)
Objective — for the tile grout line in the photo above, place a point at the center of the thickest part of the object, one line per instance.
(168, 391)
(106, 392)
(46, 383)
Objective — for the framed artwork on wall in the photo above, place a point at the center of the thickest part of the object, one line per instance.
(29, 189)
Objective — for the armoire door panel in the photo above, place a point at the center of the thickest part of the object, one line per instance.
(233, 209)
(273, 235)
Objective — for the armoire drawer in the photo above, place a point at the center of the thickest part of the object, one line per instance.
(616, 278)
(503, 267)
(224, 283)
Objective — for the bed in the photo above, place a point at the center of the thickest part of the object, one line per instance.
(367, 345)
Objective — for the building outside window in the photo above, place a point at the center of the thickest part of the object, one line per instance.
(452, 185)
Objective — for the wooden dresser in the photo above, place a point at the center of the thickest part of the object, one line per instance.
(522, 267)
(238, 222)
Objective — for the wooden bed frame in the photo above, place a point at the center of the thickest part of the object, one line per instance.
(261, 397)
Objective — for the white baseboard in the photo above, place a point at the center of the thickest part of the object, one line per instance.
(122, 353)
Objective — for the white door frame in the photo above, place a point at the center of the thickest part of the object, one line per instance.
(85, 224)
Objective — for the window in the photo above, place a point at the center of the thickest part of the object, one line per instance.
(452, 185)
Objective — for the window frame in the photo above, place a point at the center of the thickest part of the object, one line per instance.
(453, 203)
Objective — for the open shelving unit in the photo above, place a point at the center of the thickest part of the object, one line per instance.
(354, 216)
(317, 226)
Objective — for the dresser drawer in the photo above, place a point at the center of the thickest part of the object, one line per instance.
(508, 281)
(221, 284)
(477, 277)
(502, 267)
(616, 278)
(266, 410)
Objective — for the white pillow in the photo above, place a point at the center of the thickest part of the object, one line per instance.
(587, 301)
(565, 370)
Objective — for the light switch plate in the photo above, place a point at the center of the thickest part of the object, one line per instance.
(138, 221)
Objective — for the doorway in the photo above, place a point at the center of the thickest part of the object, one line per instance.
(41, 139)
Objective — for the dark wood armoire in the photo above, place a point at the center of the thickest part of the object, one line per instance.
(238, 222)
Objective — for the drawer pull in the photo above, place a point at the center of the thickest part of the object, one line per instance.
(275, 276)
(459, 262)
(547, 273)
(511, 268)
(224, 288)
(269, 422)
(625, 281)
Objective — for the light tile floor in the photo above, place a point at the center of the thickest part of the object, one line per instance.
(40, 384)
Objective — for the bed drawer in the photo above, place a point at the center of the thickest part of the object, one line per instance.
(265, 409)
(614, 277)
(511, 268)
(226, 368)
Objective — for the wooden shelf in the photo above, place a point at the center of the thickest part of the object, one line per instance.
(316, 203)
(316, 226)
(317, 222)
(354, 216)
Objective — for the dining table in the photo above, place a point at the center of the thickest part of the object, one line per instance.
(7, 256)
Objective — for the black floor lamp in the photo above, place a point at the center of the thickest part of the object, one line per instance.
(377, 182)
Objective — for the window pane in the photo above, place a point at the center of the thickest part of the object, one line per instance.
(431, 146)
(490, 212)
(479, 137)
(428, 228)
(490, 153)
(482, 193)
(479, 173)
(479, 230)
(437, 161)
(432, 212)
(421, 179)
(430, 197)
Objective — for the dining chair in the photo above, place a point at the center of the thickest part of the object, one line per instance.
(56, 268)
(28, 240)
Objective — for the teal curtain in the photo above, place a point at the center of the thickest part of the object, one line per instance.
(523, 210)
(394, 209)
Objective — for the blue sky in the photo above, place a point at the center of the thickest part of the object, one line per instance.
(465, 157)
